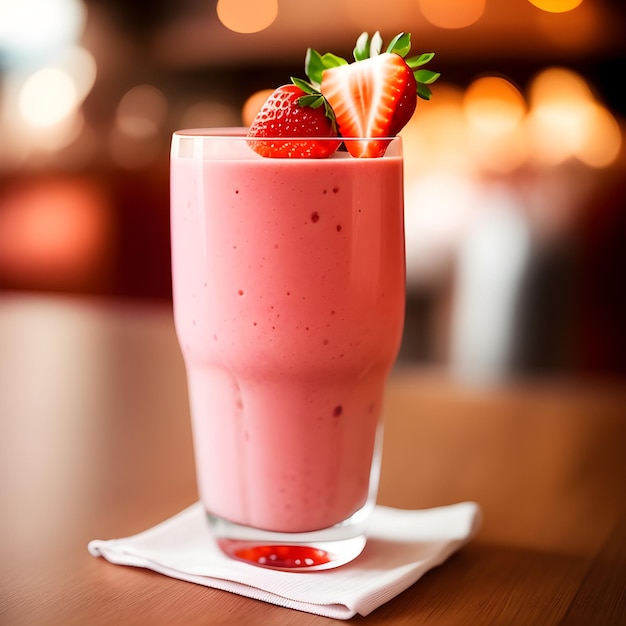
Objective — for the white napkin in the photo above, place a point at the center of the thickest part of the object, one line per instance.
(402, 546)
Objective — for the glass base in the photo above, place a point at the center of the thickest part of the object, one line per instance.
(293, 552)
(305, 551)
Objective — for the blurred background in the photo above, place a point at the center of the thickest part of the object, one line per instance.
(515, 171)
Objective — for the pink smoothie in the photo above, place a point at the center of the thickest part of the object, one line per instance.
(289, 285)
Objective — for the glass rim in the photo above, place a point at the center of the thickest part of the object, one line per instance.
(241, 132)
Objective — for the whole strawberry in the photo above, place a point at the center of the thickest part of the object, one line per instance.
(292, 112)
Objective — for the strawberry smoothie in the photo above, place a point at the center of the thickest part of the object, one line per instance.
(289, 291)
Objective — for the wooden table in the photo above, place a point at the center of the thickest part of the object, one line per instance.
(95, 443)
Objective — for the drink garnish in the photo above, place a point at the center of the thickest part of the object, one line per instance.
(376, 95)
(294, 111)
(371, 98)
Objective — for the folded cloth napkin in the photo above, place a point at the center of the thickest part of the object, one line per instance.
(402, 545)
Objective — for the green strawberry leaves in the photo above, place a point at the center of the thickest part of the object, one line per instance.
(314, 99)
(315, 64)
(367, 47)
(401, 44)
(423, 77)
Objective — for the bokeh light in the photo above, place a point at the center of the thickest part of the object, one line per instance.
(498, 152)
(253, 105)
(560, 86)
(247, 16)
(41, 115)
(141, 112)
(32, 29)
(556, 6)
(80, 64)
(495, 110)
(436, 137)
(562, 108)
(494, 104)
(42, 93)
(452, 13)
(52, 95)
(135, 140)
(572, 30)
(47, 97)
(54, 233)
(601, 139)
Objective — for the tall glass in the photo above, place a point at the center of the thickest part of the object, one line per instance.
(289, 293)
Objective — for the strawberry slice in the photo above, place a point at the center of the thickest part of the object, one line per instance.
(293, 111)
(375, 96)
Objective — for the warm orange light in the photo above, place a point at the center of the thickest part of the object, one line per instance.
(253, 105)
(499, 152)
(557, 85)
(601, 140)
(573, 30)
(436, 137)
(494, 104)
(566, 121)
(556, 6)
(494, 109)
(54, 233)
(247, 16)
(452, 13)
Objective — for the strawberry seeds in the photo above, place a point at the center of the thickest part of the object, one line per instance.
(371, 99)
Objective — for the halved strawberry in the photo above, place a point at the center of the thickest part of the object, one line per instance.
(290, 111)
(375, 96)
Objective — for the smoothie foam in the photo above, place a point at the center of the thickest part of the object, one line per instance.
(272, 273)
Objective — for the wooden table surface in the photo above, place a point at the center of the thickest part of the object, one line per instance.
(95, 442)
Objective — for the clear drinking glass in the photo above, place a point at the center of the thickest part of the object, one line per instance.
(289, 294)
